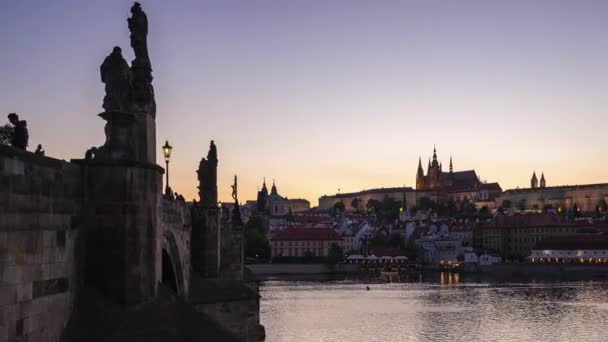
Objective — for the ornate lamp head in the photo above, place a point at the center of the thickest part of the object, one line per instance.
(167, 150)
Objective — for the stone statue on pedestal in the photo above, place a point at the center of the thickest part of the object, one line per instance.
(138, 25)
(207, 177)
(236, 212)
(129, 102)
(143, 91)
(116, 75)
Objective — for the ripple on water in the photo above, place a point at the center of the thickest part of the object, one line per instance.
(345, 311)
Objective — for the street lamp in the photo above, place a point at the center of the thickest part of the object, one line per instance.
(167, 153)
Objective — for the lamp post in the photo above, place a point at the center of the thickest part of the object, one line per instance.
(167, 153)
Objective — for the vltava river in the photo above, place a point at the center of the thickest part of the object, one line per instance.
(444, 310)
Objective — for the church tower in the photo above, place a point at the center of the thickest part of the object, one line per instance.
(543, 183)
(434, 172)
(262, 198)
(534, 181)
(451, 166)
(273, 190)
(420, 176)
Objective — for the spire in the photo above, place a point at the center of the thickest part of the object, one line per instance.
(420, 171)
(435, 163)
(534, 181)
(264, 188)
(451, 166)
(274, 188)
(543, 182)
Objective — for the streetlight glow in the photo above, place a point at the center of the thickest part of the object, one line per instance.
(167, 153)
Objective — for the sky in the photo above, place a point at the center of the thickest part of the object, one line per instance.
(324, 95)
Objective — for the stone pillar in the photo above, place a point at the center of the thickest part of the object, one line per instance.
(232, 251)
(212, 250)
(122, 206)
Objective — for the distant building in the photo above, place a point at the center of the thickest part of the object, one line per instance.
(453, 185)
(297, 242)
(435, 184)
(571, 249)
(586, 197)
(515, 236)
(277, 205)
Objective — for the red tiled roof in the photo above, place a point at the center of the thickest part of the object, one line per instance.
(306, 234)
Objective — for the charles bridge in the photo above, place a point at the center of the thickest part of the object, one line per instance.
(92, 250)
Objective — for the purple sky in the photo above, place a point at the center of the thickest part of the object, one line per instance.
(324, 94)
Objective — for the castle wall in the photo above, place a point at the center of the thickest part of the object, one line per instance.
(586, 197)
(328, 202)
(40, 220)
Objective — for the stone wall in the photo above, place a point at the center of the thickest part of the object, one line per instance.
(39, 228)
(174, 238)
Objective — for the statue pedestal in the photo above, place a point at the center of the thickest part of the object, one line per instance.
(119, 132)
(129, 136)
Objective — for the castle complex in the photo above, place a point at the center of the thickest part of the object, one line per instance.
(440, 185)
(455, 185)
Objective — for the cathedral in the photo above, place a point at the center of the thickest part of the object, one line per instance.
(455, 185)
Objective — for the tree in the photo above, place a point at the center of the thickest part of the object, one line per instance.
(334, 256)
(396, 240)
(484, 211)
(6, 134)
(339, 206)
(521, 205)
(576, 211)
(256, 243)
(371, 204)
(601, 207)
(355, 203)
(379, 240)
(506, 204)
(425, 203)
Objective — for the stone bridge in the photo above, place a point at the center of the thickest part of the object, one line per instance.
(91, 249)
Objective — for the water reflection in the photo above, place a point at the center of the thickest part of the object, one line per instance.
(449, 278)
(446, 309)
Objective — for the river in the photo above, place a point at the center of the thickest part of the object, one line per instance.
(444, 308)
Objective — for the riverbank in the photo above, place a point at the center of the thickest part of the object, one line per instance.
(300, 269)
(501, 272)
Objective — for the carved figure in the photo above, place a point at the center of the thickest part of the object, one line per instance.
(39, 150)
(138, 25)
(20, 135)
(207, 177)
(234, 190)
(116, 75)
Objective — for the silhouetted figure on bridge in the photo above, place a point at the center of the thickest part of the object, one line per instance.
(20, 135)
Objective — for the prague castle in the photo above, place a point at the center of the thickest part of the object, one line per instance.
(440, 185)
(436, 185)
(453, 185)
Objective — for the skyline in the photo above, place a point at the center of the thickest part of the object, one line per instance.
(282, 98)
